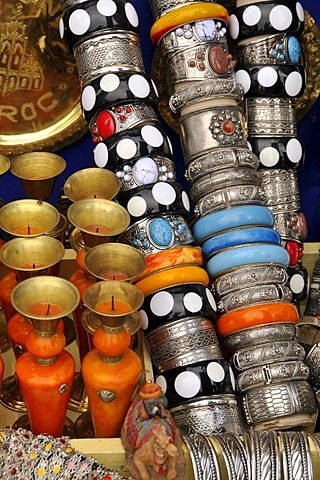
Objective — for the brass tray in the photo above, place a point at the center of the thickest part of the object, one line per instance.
(39, 84)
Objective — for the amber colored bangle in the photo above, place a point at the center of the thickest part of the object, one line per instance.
(256, 315)
(173, 276)
(186, 14)
(173, 257)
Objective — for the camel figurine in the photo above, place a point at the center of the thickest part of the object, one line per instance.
(152, 443)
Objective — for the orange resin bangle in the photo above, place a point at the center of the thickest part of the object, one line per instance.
(255, 315)
(173, 276)
(171, 258)
(186, 14)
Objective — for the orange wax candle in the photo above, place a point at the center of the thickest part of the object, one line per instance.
(27, 230)
(97, 229)
(113, 307)
(115, 276)
(45, 309)
(31, 266)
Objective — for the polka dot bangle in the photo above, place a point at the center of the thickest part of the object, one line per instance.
(88, 19)
(186, 14)
(265, 18)
(116, 89)
(174, 303)
(278, 152)
(272, 80)
(242, 216)
(132, 144)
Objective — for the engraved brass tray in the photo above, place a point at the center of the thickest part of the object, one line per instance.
(39, 84)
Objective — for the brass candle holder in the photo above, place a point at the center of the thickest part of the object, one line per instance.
(27, 257)
(99, 220)
(38, 172)
(4, 164)
(28, 218)
(111, 383)
(92, 183)
(44, 300)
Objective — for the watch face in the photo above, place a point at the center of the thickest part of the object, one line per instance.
(145, 171)
(206, 29)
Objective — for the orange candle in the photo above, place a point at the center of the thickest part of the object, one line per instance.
(115, 276)
(97, 229)
(32, 266)
(113, 306)
(27, 230)
(45, 309)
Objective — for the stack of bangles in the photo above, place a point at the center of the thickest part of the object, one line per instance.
(119, 103)
(246, 195)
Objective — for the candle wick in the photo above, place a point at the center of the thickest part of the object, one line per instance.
(28, 229)
(33, 265)
(97, 230)
(113, 277)
(94, 196)
(112, 303)
(48, 309)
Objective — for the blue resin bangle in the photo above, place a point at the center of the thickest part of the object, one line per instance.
(247, 255)
(213, 223)
(240, 236)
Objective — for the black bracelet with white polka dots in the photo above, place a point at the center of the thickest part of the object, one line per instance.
(278, 152)
(272, 80)
(159, 197)
(265, 18)
(91, 18)
(112, 89)
(148, 140)
(197, 380)
(174, 303)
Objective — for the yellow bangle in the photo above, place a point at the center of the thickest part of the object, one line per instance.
(173, 276)
(186, 14)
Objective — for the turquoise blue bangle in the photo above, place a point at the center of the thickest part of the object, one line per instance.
(240, 236)
(232, 218)
(247, 255)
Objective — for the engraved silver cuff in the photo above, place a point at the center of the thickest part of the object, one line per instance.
(217, 414)
(203, 457)
(205, 90)
(209, 128)
(271, 117)
(278, 372)
(296, 455)
(161, 7)
(279, 183)
(275, 401)
(249, 277)
(235, 456)
(184, 341)
(229, 197)
(229, 177)
(111, 52)
(290, 226)
(247, 296)
(267, 353)
(258, 335)
(219, 159)
(312, 360)
(264, 453)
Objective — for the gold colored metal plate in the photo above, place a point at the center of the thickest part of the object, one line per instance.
(39, 84)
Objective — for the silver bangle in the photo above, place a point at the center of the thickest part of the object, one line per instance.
(229, 177)
(141, 236)
(203, 457)
(271, 402)
(290, 226)
(263, 450)
(271, 117)
(249, 277)
(297, 461)
(199, 62)
(219, 159)
(265, 353)
(217, 414)
(229, 197)
(312, 360)
(240, 458)
(247, 296)
(232, 460)
(161, 7)
(205, 90)
(278, 372)
(283, 204)
(184, 341)
(271, 49)
(279, 183)
(111, 52)
(258, 335)
(205, 129)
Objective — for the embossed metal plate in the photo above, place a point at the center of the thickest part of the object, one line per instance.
(39, 85)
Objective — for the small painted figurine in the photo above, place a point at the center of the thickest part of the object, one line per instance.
(150, 438)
